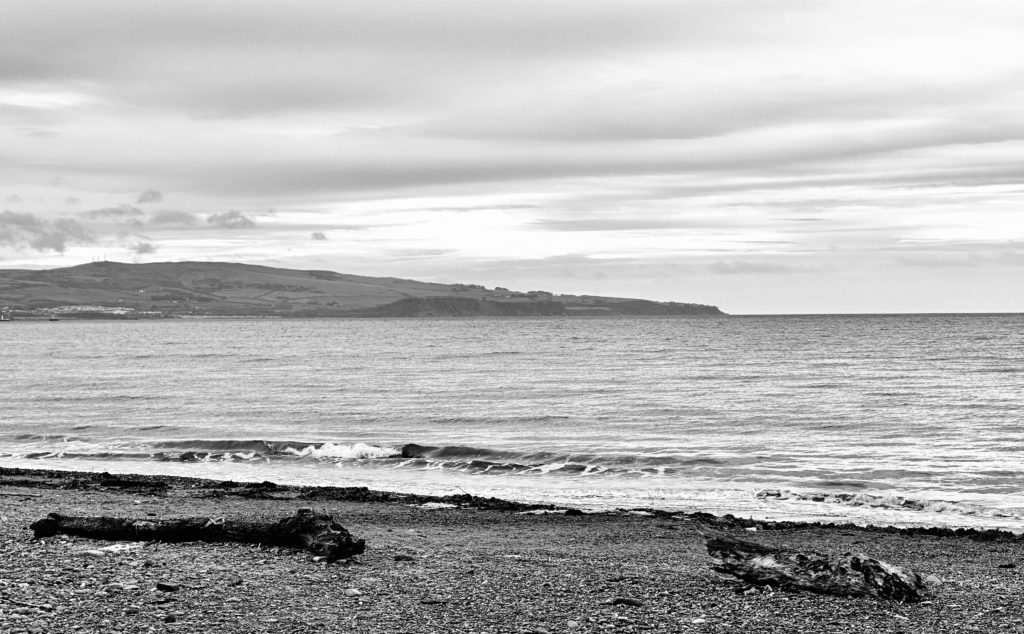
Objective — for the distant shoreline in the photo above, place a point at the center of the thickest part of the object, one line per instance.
(161, 289)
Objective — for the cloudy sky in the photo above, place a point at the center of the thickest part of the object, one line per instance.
(761, 155)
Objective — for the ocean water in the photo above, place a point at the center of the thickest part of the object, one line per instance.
(901, 420)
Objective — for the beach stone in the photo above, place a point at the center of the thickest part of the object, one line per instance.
(636, 603)
(170, 618)
(403, 558)
(167, 587)
(352, 592)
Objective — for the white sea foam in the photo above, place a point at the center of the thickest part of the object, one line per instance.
(355, 451)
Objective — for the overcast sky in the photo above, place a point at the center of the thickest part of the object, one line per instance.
(769, 156)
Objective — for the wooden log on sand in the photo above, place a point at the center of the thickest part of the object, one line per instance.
(316, 532)
(848, 575)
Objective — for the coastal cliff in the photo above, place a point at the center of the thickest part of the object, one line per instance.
(115, 290)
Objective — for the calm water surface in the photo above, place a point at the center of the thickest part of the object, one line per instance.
(910, 419)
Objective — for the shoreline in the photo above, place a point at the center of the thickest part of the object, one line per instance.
(361, 493)
(486, 565)
(466, 500)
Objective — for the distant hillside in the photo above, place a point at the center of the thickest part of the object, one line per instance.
(179, 289)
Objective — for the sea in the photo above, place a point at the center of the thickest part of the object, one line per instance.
(903, 420)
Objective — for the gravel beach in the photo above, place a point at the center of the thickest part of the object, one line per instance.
(478, 567)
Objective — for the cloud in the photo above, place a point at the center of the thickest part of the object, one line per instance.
(121, 212)
(49, 241)
(233, 219)
(12, 220)
(73, 229)
(172, 217)
(13, 198)
(143, 248)
(745, 267)
(26, 229)
(205, 59)
(149, 196)
(635, 223)
(318, 235)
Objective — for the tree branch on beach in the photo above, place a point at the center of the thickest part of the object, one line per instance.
(308, 530)
(848, 575)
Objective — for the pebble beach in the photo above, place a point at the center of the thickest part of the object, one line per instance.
(457, 564)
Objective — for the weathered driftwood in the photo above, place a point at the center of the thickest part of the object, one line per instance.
(848, 575)
(316, 532)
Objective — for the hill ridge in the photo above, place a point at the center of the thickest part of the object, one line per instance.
(233, 289)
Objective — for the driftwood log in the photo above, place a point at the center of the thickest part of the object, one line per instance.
(316, 532)
(848, 575)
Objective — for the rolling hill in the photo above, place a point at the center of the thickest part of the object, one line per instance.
(179, 289)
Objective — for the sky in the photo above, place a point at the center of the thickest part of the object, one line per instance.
(768, 156)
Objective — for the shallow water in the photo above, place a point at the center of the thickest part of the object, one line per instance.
(911, 419)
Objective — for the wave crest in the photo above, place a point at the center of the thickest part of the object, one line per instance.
(886, 501)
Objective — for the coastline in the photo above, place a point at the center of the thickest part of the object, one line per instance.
(464, 564)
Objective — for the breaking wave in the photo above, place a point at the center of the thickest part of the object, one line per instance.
(465, 459)
(654, 478)
(888, 501)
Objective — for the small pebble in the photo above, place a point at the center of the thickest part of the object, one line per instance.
(167, 587)
(352, 592)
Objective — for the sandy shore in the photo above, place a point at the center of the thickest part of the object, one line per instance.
(466, 569)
